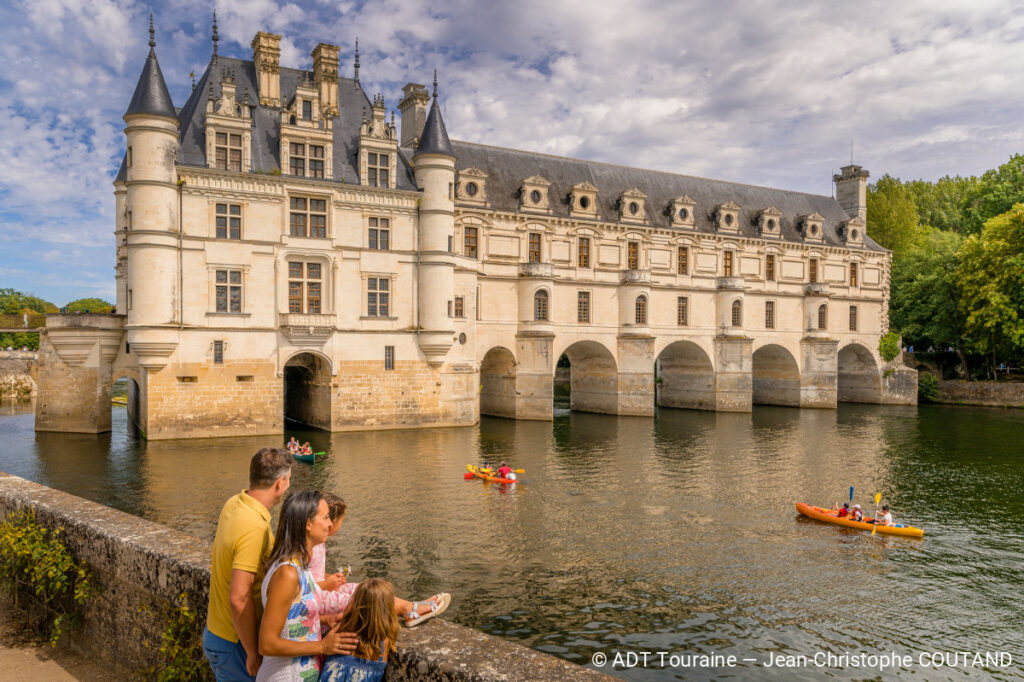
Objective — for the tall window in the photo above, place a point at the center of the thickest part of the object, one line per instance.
(683, 311)
(684, 260)
(377, 169)
(535, 247)
(218, 352)
(380, 233)
(306, 159)
(229, 221)
(583, 307)
(812, 270)
(853, 318)
(228, 151)
(460, 306)
(727, 264)
(389, 357)
(229, 291)
(769, 268)
(822, 316)
(632, 255)
(769, 314)
(304, 288)
(307, 110)
(469, 242)
(853, 274)
(308, 217)
(378, 303)
(583, 252)
(540, 306)
(641, 309)
(737, 313)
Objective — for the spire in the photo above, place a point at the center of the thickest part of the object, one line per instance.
(357, 61)
(216, 36)
(151, 96)
(434, 139)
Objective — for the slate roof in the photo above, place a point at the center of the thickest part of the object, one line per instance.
(151, 96)
(434, 139)
(507, 168)
(266, 138)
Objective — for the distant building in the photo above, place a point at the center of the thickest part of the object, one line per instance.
(285, 250)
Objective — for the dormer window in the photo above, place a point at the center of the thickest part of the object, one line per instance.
(583, 200)
(632, 206)
(727, 217)
(472, 186)
(228, 151)
(811, 226)
(533, 195)
(852, 231)
(769, 222)
(307, 110)
(307, 160)
(682, 212)
(377, 168)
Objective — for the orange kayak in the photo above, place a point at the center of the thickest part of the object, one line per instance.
(486, 475)
(831, 516)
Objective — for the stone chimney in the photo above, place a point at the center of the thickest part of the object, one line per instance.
(266, 56)
(852, 191)
(413, 108)
(325, 75)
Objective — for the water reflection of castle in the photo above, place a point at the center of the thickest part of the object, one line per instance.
(283, 249)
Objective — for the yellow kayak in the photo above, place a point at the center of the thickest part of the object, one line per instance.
(487, 474)
(832, 516)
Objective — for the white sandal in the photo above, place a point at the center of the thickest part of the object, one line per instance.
(413, 618)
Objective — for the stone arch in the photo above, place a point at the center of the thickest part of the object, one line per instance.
(133, 404)
(498, 383)
(593, 378)
(307, 390)
(687, 377)
(859, 380)
(776, 376)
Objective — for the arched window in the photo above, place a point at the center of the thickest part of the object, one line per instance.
(641, 309)
(540, 306)
(823, 316)
(737, 313)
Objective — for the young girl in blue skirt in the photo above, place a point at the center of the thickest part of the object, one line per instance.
(371, 615)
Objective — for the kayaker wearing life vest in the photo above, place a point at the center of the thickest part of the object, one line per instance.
(856, 514)
(504, 470)
(845, 511)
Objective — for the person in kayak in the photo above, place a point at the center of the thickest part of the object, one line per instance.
(504, 470)
(293, 446)
(885, 519)
(856, 514)
(845, 511)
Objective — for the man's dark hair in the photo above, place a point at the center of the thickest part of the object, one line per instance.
(268, 465)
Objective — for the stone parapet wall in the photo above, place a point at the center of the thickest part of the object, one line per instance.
(991, 393)
(18, 373)
(142, 567)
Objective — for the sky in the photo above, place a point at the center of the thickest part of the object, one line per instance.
(768, 93)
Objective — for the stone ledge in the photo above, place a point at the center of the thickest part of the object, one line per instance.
(139, 564)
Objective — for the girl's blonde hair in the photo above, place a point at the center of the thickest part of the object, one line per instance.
(371, 615)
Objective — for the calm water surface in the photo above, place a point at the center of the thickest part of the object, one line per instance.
(626, 534)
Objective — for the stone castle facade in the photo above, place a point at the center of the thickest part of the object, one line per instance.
(286, 250)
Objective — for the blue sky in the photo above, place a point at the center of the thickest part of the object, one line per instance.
(769, 93)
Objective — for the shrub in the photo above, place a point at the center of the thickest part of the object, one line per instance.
(36, 565)
(927, 387)
(181, 647)
(889, 346)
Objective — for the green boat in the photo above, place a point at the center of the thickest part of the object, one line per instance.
(309, 458)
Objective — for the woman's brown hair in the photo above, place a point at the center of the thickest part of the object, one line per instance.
(371, 615)
(335, 506)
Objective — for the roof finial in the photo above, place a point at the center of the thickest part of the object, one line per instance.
(152, 32)
(357, 61)
(435, 85)
(192, 75)
(216, 36)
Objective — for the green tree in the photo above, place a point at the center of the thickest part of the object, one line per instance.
(991, 279)
(925, 292)
(940, 204)
(995, 193)
(12, 301)
(892, 215)
(90, 305)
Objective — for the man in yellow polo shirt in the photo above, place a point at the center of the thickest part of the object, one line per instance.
(243, 542)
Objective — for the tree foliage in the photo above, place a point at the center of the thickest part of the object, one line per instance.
(90, 305)
(892, 215)
(940, 204)
(12, 301)
(996, 192)
(925, 292)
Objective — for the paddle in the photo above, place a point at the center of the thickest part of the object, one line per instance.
(516, 471)
(851, 495)
(878, 498)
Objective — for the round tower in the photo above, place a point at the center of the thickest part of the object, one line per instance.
(151, 200)
(434, 166)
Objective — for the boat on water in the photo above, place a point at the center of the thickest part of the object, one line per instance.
(311, 457)
(832, 516)
(488, 475)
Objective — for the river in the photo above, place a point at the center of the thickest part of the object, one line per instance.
(674, 534)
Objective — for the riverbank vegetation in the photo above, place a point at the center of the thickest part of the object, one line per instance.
(957, 278)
